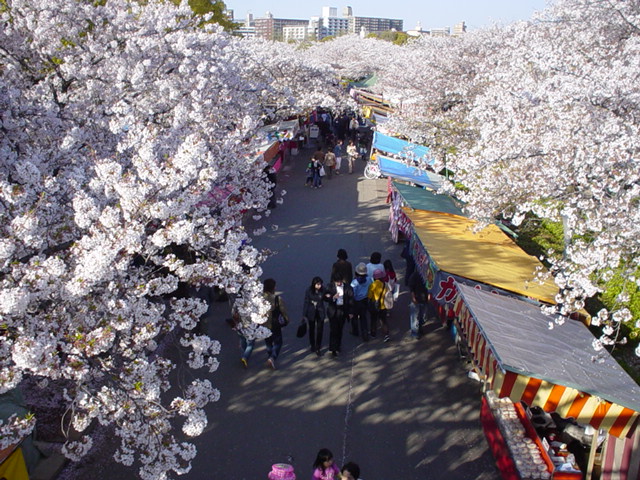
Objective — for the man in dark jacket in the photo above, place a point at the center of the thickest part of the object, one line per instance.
(339, 298)
(343, 267)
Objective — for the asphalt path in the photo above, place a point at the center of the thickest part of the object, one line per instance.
(402, 410)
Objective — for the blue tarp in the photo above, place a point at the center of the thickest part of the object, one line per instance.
(401, 148)
(398, 169)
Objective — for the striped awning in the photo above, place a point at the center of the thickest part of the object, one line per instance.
(521, 358)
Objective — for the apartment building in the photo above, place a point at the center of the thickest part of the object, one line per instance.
(272, 28)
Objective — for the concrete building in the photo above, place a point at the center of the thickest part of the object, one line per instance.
(333, 25)
(297, 33)
(247, 28)
(317, 27)
(272, 28)
(459, 29)
(374, 25)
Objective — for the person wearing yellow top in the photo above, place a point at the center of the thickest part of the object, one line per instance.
(376, 296)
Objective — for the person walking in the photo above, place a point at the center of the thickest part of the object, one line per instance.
(418, 305)
(337, 150)
(360, 285)
(353, 127)
(246, 344)
(352, 155)
(323, 466)
(329, 163)
(378, 310)
(339, 298)
(277, 319)
(343, 267)
(314, 313)
(316, 166)
(374, 263)
(309, 171)
(392, 287)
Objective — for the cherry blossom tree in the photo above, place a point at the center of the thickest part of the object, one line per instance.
(538, 120)
(505, 108)
(126, 166)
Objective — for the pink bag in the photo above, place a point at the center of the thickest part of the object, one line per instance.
(282, 471)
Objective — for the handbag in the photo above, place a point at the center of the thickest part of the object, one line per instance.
(322, 172)
(277, 314)
(302, 329)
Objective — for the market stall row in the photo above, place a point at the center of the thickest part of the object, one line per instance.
(453, 255)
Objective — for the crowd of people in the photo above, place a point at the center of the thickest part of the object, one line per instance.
(359, 299)
(364, 300)
(338, 139)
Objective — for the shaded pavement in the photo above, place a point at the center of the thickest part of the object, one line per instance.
(402, 410)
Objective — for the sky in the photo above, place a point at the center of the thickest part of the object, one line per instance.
(430, 13)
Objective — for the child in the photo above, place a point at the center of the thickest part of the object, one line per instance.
(350, 471)
(324, 468)
(309, 171)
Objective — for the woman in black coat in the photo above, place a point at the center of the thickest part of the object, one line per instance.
(340, 303)
(314, 312)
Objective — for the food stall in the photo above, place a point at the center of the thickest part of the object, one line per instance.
(12, 464)
(554, 408)
(450, 249)
(415, 198)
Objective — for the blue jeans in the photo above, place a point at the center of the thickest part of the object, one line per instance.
(274, 344)
(246, 346)
(317, 179)
(417, 312)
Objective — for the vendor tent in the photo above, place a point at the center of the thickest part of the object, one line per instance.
(399, 169)
(447, 249)
(522, 358)
(395, 146)
(415, 198)
(421, 199)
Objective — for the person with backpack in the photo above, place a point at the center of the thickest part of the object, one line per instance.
(392, 287)
(277, 319)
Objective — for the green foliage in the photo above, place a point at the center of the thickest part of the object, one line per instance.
(539, 236)
(618, 284)
(216, 7)
(398, 38)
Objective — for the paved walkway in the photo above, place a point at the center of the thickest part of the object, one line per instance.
(402, 410)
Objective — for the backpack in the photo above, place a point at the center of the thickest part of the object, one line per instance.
(388, 294)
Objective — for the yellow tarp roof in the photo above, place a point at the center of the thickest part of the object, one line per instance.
(488, 256)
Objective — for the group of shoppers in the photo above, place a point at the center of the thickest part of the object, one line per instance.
(364, 300)
(327, 162)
